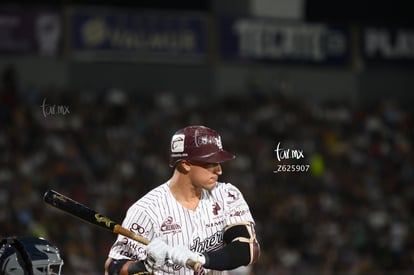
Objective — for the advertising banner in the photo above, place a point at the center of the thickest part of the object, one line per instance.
(30, 31)
(387, 46)
(138, 35)
(272, 40)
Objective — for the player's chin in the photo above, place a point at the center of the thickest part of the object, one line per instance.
(210, 184)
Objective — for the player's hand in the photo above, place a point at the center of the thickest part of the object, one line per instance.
(181, 254)
(157, 253)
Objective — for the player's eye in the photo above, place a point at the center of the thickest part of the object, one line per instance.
(204, 164)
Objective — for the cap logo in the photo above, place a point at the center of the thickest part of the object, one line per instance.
(177, 143)
(205, 140)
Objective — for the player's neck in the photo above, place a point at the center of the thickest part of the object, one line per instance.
(184, 192)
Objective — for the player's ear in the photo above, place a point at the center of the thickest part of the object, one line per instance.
(183, 166)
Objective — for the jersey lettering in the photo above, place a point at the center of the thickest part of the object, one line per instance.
(211, 243)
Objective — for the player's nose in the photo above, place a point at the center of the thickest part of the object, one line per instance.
(217, 169)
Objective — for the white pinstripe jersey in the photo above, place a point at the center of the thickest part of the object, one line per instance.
(159, 214)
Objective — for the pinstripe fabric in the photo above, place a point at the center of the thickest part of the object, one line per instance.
(158, 214)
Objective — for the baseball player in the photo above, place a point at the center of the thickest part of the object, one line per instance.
(192, 216)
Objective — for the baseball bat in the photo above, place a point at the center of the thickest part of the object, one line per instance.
(85, 213)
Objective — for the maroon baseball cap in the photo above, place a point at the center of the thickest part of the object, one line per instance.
(198, 143)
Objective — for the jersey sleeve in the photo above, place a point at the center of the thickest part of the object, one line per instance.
(137, 221)
(237, 209)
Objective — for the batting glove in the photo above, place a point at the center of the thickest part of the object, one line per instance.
(157, 253)
(181, 254)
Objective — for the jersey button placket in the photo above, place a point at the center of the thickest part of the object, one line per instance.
(195, 220)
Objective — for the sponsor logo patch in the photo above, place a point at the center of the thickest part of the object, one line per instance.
(168, 226)
(177, 143)
(216, 208)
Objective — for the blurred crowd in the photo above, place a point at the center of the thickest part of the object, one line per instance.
(349, 213)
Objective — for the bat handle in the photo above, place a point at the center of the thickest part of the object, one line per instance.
(123, 231)
(194, 265)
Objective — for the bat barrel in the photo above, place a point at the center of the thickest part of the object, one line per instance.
(77, 209)
(48, 196)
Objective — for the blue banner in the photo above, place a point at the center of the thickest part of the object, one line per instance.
(272, 40)
(138, 34)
